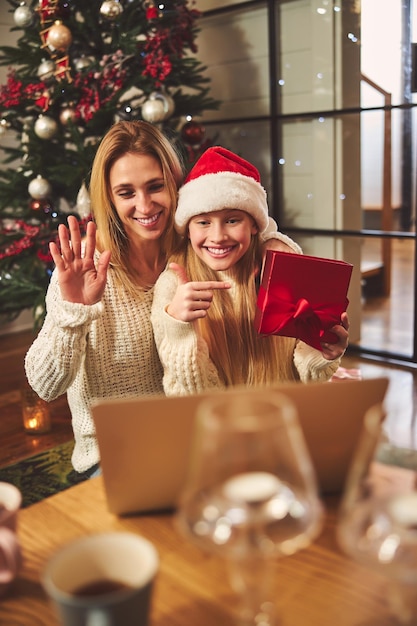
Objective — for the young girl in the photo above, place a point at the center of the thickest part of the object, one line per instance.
(204, 303)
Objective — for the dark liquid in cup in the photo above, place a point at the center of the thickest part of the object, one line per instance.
(100, 588)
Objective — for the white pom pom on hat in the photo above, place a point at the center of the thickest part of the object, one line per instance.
(221, 179)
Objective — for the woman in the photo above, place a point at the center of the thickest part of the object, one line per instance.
(97, 338)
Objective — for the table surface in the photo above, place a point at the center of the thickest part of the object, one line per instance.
(319, 586)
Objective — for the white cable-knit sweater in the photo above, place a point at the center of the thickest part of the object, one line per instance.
(185, 356)
(89, 352)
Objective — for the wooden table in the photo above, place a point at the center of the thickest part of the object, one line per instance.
(318, 586)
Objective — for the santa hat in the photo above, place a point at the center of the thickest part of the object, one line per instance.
(221, 179)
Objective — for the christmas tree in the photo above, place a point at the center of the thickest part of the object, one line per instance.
(79, 66)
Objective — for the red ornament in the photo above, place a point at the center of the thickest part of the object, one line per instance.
(151, 13)
(36, 205)
(193, 133)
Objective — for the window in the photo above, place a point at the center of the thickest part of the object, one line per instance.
(318, 95)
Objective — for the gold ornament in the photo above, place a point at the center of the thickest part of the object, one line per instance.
(67, 114)
(59, 37)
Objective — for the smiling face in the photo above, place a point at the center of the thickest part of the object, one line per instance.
(140, 196)
(221, 238)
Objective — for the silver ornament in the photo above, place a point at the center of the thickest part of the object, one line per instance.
(153, 110)
(82, 63)
(39, 188)
(160, 106)
(46, 70)
(23, 16)
(83, 202)
(111, 9)
(45, 127)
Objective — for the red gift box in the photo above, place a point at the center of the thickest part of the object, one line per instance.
(302, 296)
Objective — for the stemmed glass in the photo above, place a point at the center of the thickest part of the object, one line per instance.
(251, 493)
(378, 515)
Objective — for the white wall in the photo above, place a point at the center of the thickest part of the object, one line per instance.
(235, 51)
(381, 62)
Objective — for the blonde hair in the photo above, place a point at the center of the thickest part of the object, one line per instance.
(135, 137)
(240, 354)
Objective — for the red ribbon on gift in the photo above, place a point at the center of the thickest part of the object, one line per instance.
(300, 319)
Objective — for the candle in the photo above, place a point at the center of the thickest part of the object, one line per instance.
(36, 415)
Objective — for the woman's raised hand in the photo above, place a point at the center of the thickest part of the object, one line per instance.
(192, 299)
(79, 279)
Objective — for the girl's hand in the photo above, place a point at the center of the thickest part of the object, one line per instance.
(79, 279)
(192, 299)
(333, 351)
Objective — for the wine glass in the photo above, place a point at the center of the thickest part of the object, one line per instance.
(377, 523)
(251, 494)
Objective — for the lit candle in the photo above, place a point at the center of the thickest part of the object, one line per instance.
(36, 416)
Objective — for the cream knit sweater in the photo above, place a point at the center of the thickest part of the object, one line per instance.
(89, 352)
(185, 357)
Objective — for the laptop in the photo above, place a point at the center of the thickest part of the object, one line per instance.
(145, 441)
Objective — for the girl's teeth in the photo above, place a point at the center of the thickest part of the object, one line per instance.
(218, 251)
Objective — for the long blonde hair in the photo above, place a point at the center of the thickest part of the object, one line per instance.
(135, 137)
(240, 354)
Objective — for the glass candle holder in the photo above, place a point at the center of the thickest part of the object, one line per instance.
(35, 412)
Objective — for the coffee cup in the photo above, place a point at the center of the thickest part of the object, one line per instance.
(104, 579)
(10, 550)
